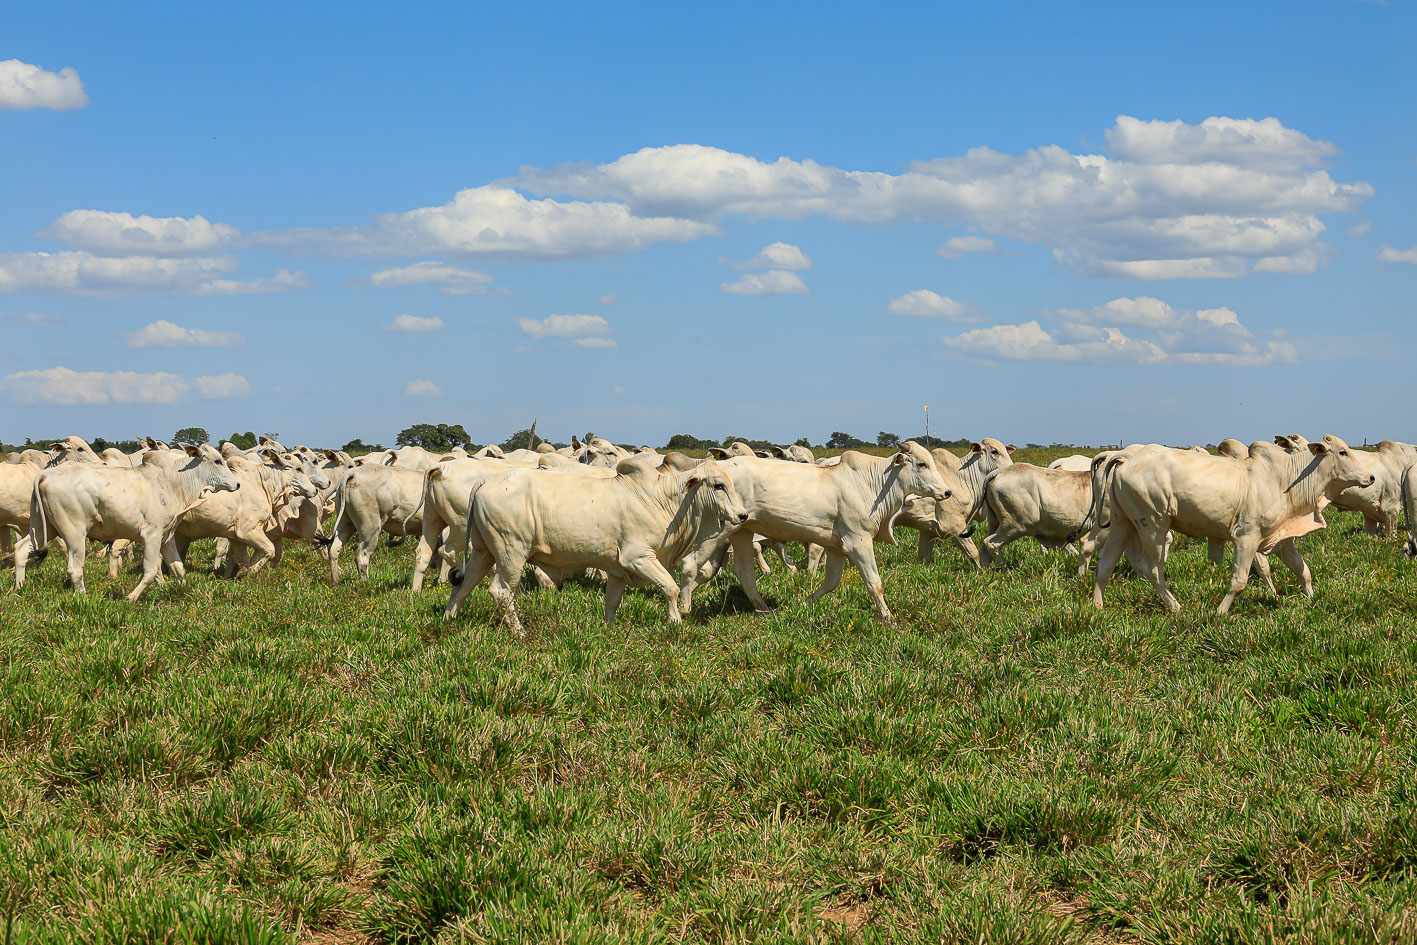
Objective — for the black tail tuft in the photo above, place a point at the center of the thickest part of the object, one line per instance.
(969, 532)
(455, 577)
(38, 554)
(1410, 549)
(324, 541)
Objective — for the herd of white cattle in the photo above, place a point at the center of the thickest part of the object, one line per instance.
(637, 517)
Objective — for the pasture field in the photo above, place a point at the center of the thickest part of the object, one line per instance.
(275, 760)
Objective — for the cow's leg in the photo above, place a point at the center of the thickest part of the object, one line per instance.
(1150, 546)
(1370, 525)
(699, 567)
(152, 562)
(967, 546)
(220, 556)
(504, 587)
(614, 591)
(1245, 548)
(925, 550)
(863, 555)
(836, 564)
(261, 544)
(173, 561)
(7, 544)
(1119, 534)
(479, 563)
(814, 558)
(429, 540)
(1295, 562)
(1086, 547)
(1261, 567)
(23, 547)
(779, 548)
(364, 550)
(991, 549)
(758, 559)
(1215, 548)
(76, 552)
(743, 568)
(651, 570)
(343, 533)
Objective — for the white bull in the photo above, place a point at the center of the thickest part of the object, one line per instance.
(373, 499)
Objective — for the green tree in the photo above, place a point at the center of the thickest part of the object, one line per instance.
(191, 435)
(687, 441)
(357, 447)
(803, 441)
(435, 437)
(844, 441)
(243, 441)
(521, 440)
(887, 439)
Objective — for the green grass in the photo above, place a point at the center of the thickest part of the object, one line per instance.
(277, 760)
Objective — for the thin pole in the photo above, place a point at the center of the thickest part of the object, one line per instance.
(927, 426)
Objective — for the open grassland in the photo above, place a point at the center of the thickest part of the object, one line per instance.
(277, 760)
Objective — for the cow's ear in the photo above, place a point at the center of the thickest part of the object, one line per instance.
(575, 442)
(1011, 448)
(898, 459)
(1318, 449)
(976, 447)
(693, 482)
(330, 455)
(1283, 441)
(192, 449)
(152, 444)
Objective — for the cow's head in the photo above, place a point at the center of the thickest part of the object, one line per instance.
(303, 486)
(918, 472)
(1339, 465)
(991, 453)
(1292, 443)
(718, 490)
(210, 468)
(308, 467)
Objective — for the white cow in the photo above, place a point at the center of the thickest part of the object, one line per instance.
(79, 501)
(373, 499)
(844, 508)
(1409, 508)
(1049, 504)
(251, 517)
(1261, 503)
(16, 485)
(634, 527)
(1074, 463)
(944, 520)
(444, 507)
(1381, 503)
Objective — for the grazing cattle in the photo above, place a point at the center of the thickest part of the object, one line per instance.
(1075, 463)
(1381, 503)
(636, 526)
(1022, 500)
(252, 517)
(1261, 503)
(79, 501)
(843, 508)
(373, 499)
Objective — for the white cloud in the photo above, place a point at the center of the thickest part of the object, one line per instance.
(31, 319)
(26, 86)
(772, 282)
(609, 298)
(1233, 191)
(122, 234)
(596, 343)
(422, 388)
(565, 326)
(78, 272)
(957, 246)
(60, 385)
(413, 324)
(922, 303)
(496, 221)
(450, 280)
(777, 256)
(1391, 255)
(1095, 336)
(617, 389)
(1359, 230)
(165, 334)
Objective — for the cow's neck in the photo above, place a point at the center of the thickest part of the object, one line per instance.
(1306, 485)
(889, 491)
(184, 482)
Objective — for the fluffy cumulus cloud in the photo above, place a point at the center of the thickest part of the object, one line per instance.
(122, 234)
(1390, 254)
(958, 246)
(495, 221)
(422, 388)
(450, 280)
(566, 326)
(923, 303)
(1171, 200)
(413, 324)
(60, 385)
(778, 256)
(1129, 331)
(27, 86)
(165, 334)
(772, 282)
(79, 272)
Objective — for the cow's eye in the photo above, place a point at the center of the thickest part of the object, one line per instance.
(921, 465)
(1342, 452)
(718, 486)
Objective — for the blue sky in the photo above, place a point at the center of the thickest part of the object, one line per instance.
(1082, 223)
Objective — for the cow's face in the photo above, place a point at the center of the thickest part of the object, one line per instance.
(303, 486)
(211, 468)
(718, 488)
(311, 470)
(991, 453)
(1344, 469)
(1292, 443)
(918, 471)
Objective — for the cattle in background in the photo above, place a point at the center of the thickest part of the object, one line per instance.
(373, 499)
(1022, 500)
(252, 517)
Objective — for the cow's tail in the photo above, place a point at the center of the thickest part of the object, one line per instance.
(39, 522)
(428, 478)
(1097, 476)
(1409, 508)
(455, 576)
(325, 541)
(992, 515)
